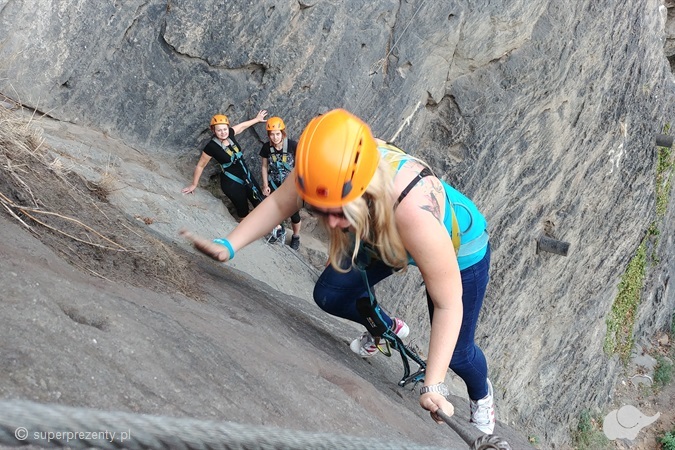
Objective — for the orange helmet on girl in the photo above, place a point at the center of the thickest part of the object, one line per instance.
(219, 119)
(335, 160)
(276, 124)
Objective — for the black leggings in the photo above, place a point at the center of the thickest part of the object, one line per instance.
(295, 218)
(240, 194)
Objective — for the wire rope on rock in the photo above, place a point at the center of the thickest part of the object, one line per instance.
(56, 426)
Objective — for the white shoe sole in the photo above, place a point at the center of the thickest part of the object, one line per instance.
(403, 332)
(484, 427)
(355, 346)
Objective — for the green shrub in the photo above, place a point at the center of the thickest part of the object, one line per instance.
(668, 441)
(619, 337)
(664, 179)
(663, 372)
(588, 436)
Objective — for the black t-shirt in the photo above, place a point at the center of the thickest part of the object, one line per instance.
(276, 169)
(217, 152)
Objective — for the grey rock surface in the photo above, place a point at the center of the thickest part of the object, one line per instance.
(144, 324)
(543, 112)
(242, 355)
(242, 352)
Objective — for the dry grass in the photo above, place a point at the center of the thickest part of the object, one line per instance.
(73, 216)
(23, 153)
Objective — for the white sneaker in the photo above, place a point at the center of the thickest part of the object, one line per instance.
(483, 412)
(281, 236)
(365, 347)
(401, 328)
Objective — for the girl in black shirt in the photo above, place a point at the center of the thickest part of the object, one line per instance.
(236, 180)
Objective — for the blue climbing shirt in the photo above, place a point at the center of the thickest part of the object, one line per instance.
(472, 225)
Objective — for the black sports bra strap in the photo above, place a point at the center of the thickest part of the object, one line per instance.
(424, 173)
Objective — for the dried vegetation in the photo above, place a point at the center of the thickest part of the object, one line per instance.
(74, 218)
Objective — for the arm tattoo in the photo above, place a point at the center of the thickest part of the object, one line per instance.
(430, 203)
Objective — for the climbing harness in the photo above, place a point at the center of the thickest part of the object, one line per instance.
(370, 310)
(237, 157)
(280, 166)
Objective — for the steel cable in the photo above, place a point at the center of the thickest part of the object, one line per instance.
(55, 426)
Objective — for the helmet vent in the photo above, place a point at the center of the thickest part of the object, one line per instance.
(358, 152)
(346, 188)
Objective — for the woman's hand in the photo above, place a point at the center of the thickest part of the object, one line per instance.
(266, 190)
(189, 190)
(207, 247)
(261, 115)
(432, 402)
(240, 127)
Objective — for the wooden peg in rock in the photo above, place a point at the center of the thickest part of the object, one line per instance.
(551, 245)
(663, 140)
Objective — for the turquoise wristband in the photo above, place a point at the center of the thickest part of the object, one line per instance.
(225, 243)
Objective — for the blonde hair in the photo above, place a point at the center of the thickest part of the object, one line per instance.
(372, 217)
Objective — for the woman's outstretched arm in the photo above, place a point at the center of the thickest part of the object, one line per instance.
(281, 204)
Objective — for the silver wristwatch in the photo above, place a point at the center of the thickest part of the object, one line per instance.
(439, 388)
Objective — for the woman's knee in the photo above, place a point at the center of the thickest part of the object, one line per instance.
(325, 297)
(336, 292)
(468, 360)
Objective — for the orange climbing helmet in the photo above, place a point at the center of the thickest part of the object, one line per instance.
(335, 160)
(219, 119)
(275, 123)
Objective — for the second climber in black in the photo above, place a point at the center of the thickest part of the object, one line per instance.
(236, 180)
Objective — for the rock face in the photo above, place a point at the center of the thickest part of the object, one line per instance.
(543, 112)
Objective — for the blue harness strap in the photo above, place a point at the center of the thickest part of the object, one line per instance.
(279, 164)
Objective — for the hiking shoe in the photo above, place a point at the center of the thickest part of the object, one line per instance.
(483, 412)
(365, 347)
(295, 242)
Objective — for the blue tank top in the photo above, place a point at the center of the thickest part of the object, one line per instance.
(472, 225)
